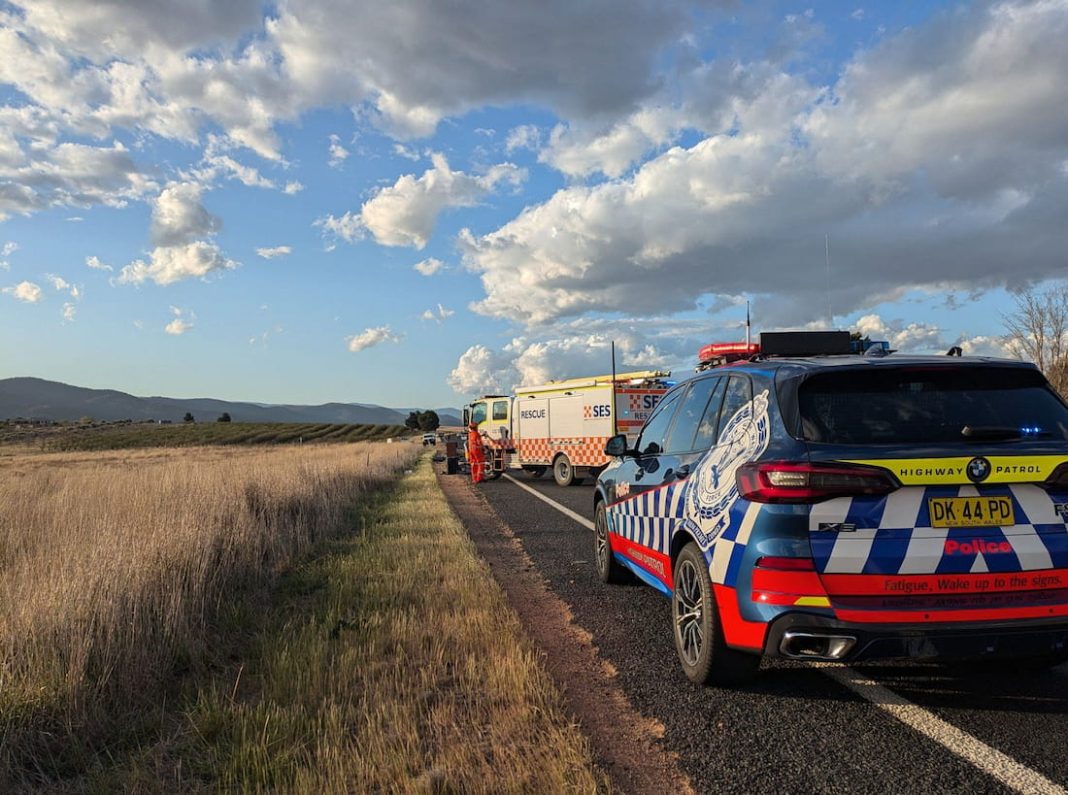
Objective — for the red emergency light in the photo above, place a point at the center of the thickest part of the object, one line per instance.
(731, 351)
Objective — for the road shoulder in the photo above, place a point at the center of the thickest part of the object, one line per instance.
(625, 743)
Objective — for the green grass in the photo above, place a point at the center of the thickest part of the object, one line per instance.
(118, 437)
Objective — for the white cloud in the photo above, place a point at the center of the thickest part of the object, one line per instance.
(370, 337)
(178, 220)
(69, 174)
(27, 292)
(169, 264)
(276, 251)
(216, 165)
(178, 217)
(429, 266)
(293, 187)
(987, 345)
(405, 213)
(62, 285)
(338, 153)
(181, 323)
(525, 136)
(439, 315)
(95, 263)
(905, 337)
(6, 251)
(585, 351)
(926, 164)
(407, 153)
(69, 311)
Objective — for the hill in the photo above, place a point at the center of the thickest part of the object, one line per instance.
(37, 398)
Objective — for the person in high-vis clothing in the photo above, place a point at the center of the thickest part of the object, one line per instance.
(476, 455)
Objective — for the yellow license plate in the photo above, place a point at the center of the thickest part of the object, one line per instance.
(971, 511)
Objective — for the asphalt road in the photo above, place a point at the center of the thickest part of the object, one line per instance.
(798, 729)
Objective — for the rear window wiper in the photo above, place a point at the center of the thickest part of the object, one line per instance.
(994, 433)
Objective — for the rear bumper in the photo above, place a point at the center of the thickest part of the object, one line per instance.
(929, 641)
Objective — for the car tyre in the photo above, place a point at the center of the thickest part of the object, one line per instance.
(705, 656)
(563, 472)
(609, 569)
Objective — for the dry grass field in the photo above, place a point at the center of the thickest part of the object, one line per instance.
(117, 570)
(295, 619)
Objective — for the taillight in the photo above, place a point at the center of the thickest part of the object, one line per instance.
(791, 482)
(1058, 479)
(785, 564)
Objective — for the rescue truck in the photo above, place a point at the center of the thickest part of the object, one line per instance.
(564, 425)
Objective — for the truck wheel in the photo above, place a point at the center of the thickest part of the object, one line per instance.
(699, 641)
(563, 472)
(608, 569)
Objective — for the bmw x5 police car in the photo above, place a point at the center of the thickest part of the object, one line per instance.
(845, 507)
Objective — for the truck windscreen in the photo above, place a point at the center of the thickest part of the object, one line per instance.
(929, 405)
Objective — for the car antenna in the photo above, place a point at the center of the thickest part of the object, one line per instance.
(747, 324)
(615, 423)
(827, 254)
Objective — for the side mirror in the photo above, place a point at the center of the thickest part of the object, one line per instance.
(617, 446)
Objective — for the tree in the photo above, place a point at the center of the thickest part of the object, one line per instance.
(224, 417)
(429, 420)
(1038, 331)
(413, 421)
(189, 417)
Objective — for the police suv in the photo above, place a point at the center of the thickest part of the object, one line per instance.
(807, 503)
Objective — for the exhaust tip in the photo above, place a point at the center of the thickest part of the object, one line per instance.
(815, 646)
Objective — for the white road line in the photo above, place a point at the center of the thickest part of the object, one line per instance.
(972, 750)
(570, 514)
(988, 759)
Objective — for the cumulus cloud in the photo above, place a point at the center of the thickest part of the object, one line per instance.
(585, 351)
(906, 337)
(429, 266)
(69, 312)
(987, 345)
(95, 263)
(69, 174)
(169, 264)
(293, 187)
(276, 251)
(178, 217)
(27, 292)
(405, 213)
(182, 322)
(439, 315)
(338, 153)
(417, 62)
(178, 220)
(370, 337)
(926, 164)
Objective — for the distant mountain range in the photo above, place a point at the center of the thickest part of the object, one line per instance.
(36, 398)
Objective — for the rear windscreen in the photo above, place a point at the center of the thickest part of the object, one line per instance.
(901, 405)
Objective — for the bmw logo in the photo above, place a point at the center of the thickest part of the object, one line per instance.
(978, 469)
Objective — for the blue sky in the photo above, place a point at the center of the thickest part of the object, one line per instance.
(255, 184)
